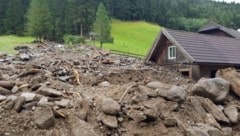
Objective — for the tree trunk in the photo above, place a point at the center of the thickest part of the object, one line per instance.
(101, 43)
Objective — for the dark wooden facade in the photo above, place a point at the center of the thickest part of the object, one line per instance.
(196, 54)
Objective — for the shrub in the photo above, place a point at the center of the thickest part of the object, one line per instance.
(73, 39)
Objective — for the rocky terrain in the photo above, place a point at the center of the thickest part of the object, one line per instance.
(52, 90)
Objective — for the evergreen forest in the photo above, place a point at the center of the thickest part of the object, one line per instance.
(76, 17)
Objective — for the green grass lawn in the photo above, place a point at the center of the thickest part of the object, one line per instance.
(133, 37)
(7, 43)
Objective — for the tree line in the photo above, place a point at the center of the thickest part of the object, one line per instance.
(76, 17)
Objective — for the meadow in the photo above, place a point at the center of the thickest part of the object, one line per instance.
(132, 37)
(7, 43)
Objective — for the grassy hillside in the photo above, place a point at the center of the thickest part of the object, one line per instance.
(7, 43)
(133, 37)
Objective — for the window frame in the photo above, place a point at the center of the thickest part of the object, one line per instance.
(172, 52)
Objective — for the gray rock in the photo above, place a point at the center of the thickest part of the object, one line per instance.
(170, 122)
(157, 85)
(211, 108)
(80, 128)
(29, 96)
(82, 115)
(148, 91)
(43, 117)
(49, 92)
(104, 84)
(150, 114)
(63, 103)
(43, 101)
(228, 131)
(215, 89)
(176, 94)
(4, 91)
(19, 103)
(2, 98)
(231, 112)
(25, 57)
(197, 105)
(137, 116)
(15, 89)
(210, 120)
(206, 130)
(110, 106)
(110, 121)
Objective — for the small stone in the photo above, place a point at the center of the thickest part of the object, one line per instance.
(63, 103)
(44, 117)
(15, 89)
(24, 57)
(232, 113)
(43, 101)
(151, 114)
(19, 103)
(82, 115)
(110, 121)
(104, 84)
(2, 98)
(110, 106)
(29, 96)
(49, 92)
(170, 122)
(137, 116)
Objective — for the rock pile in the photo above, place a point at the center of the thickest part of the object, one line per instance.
(87, 92)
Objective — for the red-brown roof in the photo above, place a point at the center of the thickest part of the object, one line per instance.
(201, 48)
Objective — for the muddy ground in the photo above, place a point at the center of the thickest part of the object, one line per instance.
(51, 90)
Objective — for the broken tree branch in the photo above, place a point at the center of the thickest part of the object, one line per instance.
(126, 91)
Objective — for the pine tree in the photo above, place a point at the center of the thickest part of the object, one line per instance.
(39, 19)
(102, 24)
(3, 7)
(14, 21)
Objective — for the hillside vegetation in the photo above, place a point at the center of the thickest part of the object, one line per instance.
(133, 37)
(7, 43)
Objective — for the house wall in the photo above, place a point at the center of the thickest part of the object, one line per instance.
(163, 58)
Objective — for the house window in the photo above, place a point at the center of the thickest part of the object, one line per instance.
(172, 52)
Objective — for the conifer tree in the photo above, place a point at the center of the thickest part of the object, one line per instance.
(14, 21)
(39, 19)
(102, 24)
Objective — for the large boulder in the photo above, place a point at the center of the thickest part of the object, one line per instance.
(176, 94)
(211, 108)
(232, 76)
(215, 89)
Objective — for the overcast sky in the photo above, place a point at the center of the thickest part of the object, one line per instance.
(237, 1)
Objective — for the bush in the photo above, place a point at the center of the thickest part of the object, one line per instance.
(73, 39)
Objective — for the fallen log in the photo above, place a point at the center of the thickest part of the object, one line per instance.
(7, 84)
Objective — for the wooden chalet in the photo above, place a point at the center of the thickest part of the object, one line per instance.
(195, 54)
(219, 30)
